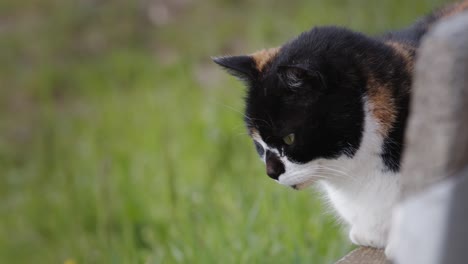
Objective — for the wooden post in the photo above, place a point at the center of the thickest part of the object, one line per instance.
(437, 136)
(430, 225)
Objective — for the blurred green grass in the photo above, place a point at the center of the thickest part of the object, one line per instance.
(120, 142)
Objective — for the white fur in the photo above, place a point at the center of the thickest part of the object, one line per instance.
(359, 189)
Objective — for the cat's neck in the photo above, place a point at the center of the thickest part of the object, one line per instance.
(367, 162)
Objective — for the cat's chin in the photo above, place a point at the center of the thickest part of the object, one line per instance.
(303, 185)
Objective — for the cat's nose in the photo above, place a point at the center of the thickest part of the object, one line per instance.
(274, 166)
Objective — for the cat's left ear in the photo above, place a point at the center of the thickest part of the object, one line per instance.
(296, 76)
(242, 67)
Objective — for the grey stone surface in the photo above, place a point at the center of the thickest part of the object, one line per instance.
(437, 135)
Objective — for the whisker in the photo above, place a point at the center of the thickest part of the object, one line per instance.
(241, 134)
(231, 108)
(248, 118)
(335, 167)
(264, 121)
(337, 171)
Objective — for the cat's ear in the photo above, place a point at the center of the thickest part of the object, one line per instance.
(296, 76)
(242, 67)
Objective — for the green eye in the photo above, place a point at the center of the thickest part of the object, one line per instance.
(289, 139)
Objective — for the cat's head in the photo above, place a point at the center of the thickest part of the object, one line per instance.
(304, 104)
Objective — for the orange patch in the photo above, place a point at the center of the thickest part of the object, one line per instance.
(382, 106)
(454, 9)
(406, 52)
(263, 57)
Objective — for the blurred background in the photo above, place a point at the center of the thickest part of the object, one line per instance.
(121, 142)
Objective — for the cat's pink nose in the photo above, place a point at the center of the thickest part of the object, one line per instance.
(274, 166)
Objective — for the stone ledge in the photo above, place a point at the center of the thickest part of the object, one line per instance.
(364, 255)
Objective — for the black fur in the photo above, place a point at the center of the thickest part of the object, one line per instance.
(314, 87)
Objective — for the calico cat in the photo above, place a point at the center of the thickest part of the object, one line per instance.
(330, 107)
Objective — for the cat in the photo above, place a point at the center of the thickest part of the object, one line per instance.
(330, 107)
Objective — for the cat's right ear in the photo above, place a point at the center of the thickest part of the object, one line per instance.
(242, 67)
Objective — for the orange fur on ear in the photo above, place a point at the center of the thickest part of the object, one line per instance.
(263, 57)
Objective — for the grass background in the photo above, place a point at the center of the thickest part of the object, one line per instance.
(120, 142)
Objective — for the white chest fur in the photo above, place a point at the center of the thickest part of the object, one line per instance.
(366, 205)
(366, 197)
